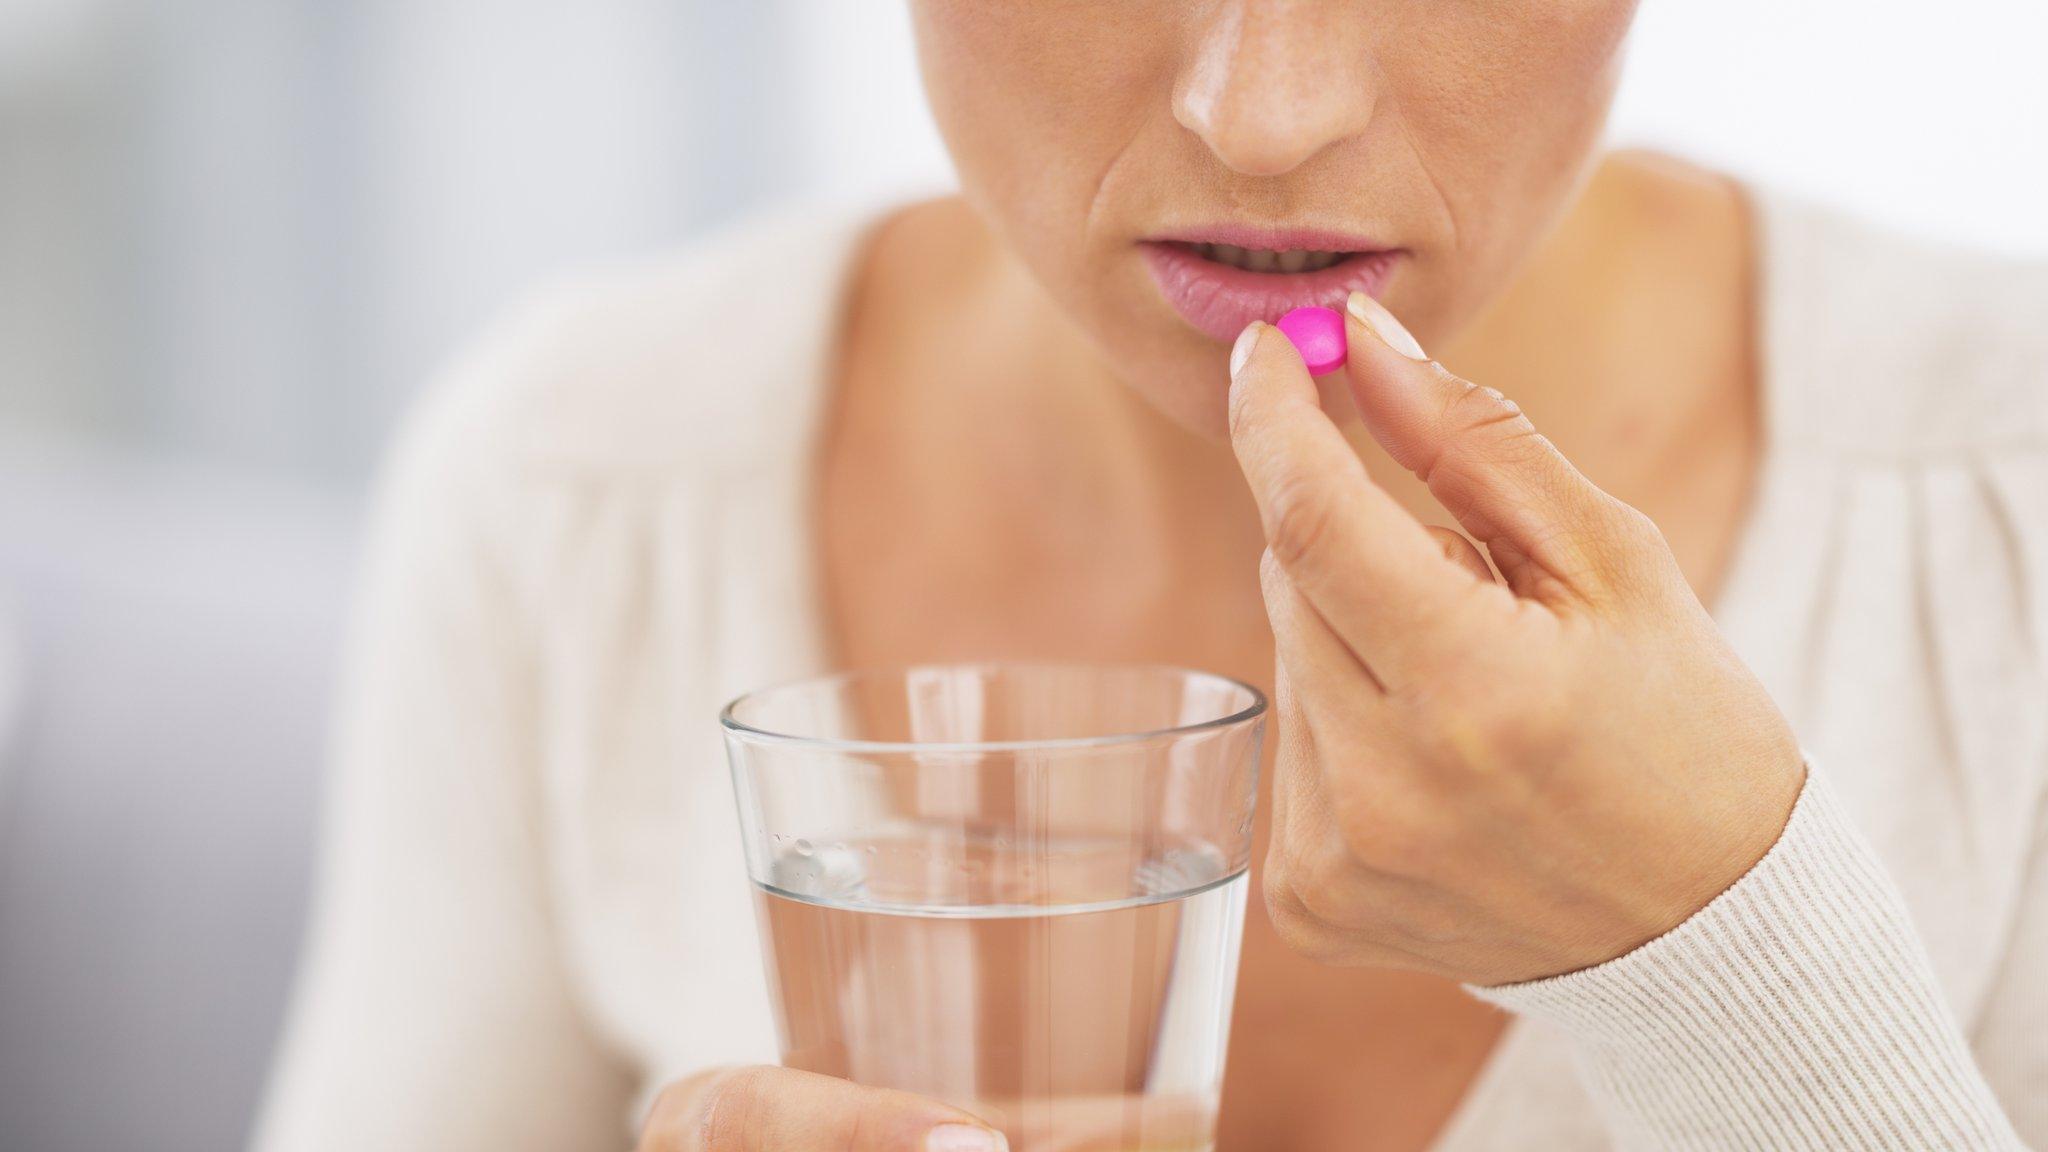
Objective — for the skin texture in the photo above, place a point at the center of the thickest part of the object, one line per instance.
(1030, 455)
(1496, 781)
(1454, 131)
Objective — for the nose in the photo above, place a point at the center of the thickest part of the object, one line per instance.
(1270, 83)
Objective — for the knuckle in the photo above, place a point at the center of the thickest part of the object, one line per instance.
(1446, 383)
(1305, 938)
(1464, 468)
(1637, 564)
(1635, 528)
(1298, 927)
(1459, 550)
(1318, 872)
(1478, 412)
(1508, 441)
(1481, 429)
(1276, 887)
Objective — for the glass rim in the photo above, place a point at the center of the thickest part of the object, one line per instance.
(739, 729)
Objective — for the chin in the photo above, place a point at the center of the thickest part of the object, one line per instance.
(1191, 389)
(1180, 374)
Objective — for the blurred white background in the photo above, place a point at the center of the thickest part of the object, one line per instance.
(236, 235)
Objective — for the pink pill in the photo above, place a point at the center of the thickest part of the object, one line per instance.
(1318, 334)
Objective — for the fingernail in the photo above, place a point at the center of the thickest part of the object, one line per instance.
(1375, 316)
(964, 1138)
(1242, 350)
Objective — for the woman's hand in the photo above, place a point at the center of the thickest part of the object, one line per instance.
(1491, 782)
(771, 1109)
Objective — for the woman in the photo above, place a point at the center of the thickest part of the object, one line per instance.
(1041, 421)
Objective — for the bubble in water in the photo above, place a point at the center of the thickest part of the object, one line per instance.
(1179, 870)
(834, 872)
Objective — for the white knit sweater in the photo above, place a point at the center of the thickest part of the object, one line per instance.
(533, 909)
(1798, 1010)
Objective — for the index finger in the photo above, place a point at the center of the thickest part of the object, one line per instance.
(1371, 569)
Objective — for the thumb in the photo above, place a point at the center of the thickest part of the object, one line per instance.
(1550, 530)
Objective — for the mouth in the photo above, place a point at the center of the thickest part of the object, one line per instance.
(1221, 279)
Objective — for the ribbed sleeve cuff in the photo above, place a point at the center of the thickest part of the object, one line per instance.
(1797, 1010)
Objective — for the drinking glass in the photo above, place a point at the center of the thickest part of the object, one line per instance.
(1017, 888)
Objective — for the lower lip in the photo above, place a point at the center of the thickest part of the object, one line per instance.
(1220, 300)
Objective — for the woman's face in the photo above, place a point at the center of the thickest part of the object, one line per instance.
(1171, 170)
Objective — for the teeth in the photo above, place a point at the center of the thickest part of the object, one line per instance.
(1266, 260)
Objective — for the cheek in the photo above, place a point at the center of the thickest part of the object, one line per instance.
(1047, 109)
(1060, 125)
(1035, 102)
(1502, 106)
(1505, 108)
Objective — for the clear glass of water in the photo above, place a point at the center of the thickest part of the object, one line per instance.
(1017, 888)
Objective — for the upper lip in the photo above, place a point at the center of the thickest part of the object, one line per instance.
(1269, 237)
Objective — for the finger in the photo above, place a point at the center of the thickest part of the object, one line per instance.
(1303, 641)
(1300, 816)
(1368, 566)
(1323, 691)
(770, 1109)
(1552, 531)
(1306, 845)
(1462, 552)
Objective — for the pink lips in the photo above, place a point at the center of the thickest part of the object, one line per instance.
(1220, 300)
